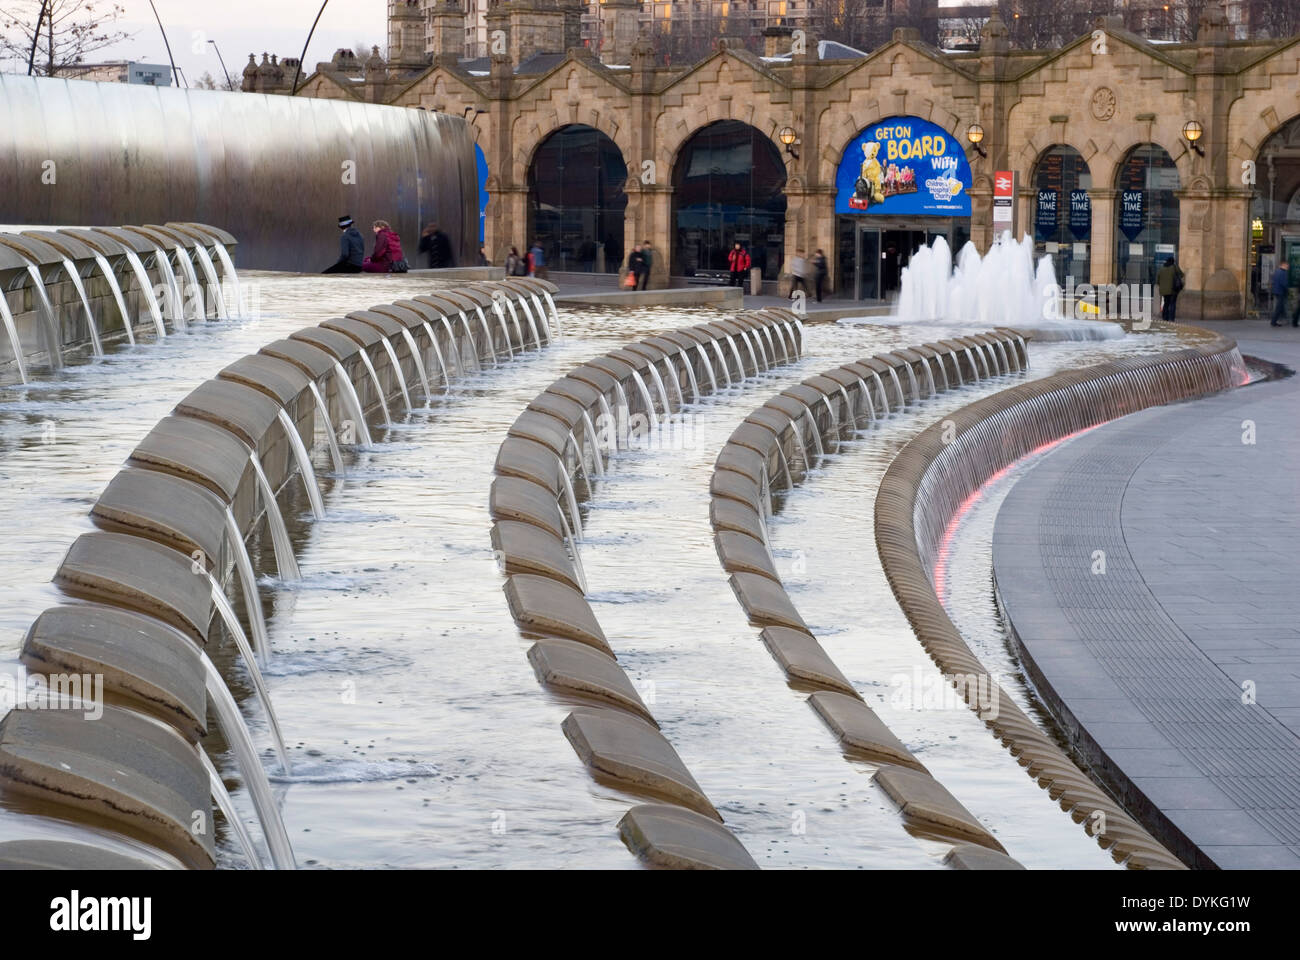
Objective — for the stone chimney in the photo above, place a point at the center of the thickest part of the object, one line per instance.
(619, 26)
(444, 28)
(776, 40)
(249, 84)
(405, 34)
(376, 77)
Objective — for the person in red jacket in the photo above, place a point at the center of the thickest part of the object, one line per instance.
(388, 249)
(738, 258)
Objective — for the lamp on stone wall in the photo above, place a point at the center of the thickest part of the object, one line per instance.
(975, 134)
(788, 137)
(1191, 133)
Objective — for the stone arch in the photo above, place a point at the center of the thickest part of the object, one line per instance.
(1162, 218)
(551, 121)
(576, 199)
(746, 178)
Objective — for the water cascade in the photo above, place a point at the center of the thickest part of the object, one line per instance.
(227, 807)
(468, 344)
(14, 342)
(419, 363)
(113, 285)
(541, 314)
(437, 352)
(708, 367)
(349, 392)
(231, 621)
(379, 390)
(323, 409)
(228, 271)
(285, 562)
(646, 399)
(735, 352)
(248, 585)
(50, 327)
(91, 325)
(505, 328)
(722, 361)
(487, 333)
(146, 290)
(304, 464)
(397, 371)
(210, 272)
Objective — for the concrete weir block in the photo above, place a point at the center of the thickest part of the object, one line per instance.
(541, 429)
(312, 361)
(513, 498)
(766, 603)
(543, 607)
(524, 548)
(519, 457)
(140, 658)
(732, 486)
(337, 345)
(195, 450)
(633, 755)
(577, 669)
(743, 554)
(929, 807)
(562, 409)
(966, 856)
(245, 412)
(138, 774)
(174, 512)
(861, 733)
(678, 839)
(734, 516)
(743, 460)
(579, 391)
(141, 575)
(66, 855)
(804, 660)
(278, 379)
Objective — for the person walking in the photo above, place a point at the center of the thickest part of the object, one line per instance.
(537, 260)
(636, 267)
(738, 260)
(1169, 281)
(1279, 285)
(819, 272)
(388, 250)
(436, 246)
(798, 273)
(352, 249)
(587, 255)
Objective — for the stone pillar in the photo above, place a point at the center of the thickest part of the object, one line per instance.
(536, 26)
(1102, 234)
(995, 48)
(376, 77)
(776, 41)
(506, 216)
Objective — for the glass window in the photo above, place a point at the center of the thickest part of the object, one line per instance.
(1062, 213)
(729, 186)
(1146, 214)
(576, 200)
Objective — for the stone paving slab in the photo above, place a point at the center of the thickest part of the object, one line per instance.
(680, 839)
(1176, 670)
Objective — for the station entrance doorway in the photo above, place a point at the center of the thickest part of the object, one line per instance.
(873, 251)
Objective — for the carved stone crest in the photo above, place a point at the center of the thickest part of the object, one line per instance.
(1103, 103)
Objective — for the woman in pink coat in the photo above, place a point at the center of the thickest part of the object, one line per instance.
(388, 249)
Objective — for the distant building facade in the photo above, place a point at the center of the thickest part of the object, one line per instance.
(121, 71)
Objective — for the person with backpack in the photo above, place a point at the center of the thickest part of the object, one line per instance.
(1170, 282)
(352, 249)
(387, 256)
(738, 260)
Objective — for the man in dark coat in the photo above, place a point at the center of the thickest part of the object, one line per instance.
(352, 248)
(436, 247)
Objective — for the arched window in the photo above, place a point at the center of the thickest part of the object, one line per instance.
(576, 200)
(1275, 211)
(1062, 213)
(729, 185)
(1146, 214)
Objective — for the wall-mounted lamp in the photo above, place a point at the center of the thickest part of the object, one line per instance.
(1192, 132)
(975, 134)
(791, 139)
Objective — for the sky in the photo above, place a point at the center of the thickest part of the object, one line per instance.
(241, 27)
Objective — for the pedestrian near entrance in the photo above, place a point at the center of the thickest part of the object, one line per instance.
(798, 273)
(387, 256)
(647, 251)
(738, 260)
(1169, 280)
(1279, 285)
(436, 247)
(515, 264)
(819, 272)
(537, 260)
(637, 267)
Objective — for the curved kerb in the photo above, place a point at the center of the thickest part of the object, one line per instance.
(764, 451)
(165, 529)
(928, 481)
(553, 445)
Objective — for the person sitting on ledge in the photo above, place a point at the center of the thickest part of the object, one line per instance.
(388, 249)
(352, 248)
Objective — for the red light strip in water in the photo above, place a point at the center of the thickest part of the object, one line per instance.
(940, 574)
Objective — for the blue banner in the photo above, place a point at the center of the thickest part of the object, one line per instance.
(1045, 220)
(1131, 220)
(904, 165)
(1080, 214)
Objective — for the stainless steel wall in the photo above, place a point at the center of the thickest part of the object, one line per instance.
(270, 169)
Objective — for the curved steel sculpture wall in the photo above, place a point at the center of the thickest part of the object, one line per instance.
(270, 169)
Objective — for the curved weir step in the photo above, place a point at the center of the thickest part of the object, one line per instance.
(550, 445)
(758, 454)
(91, 286)
(941, 468)
(172, 525)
